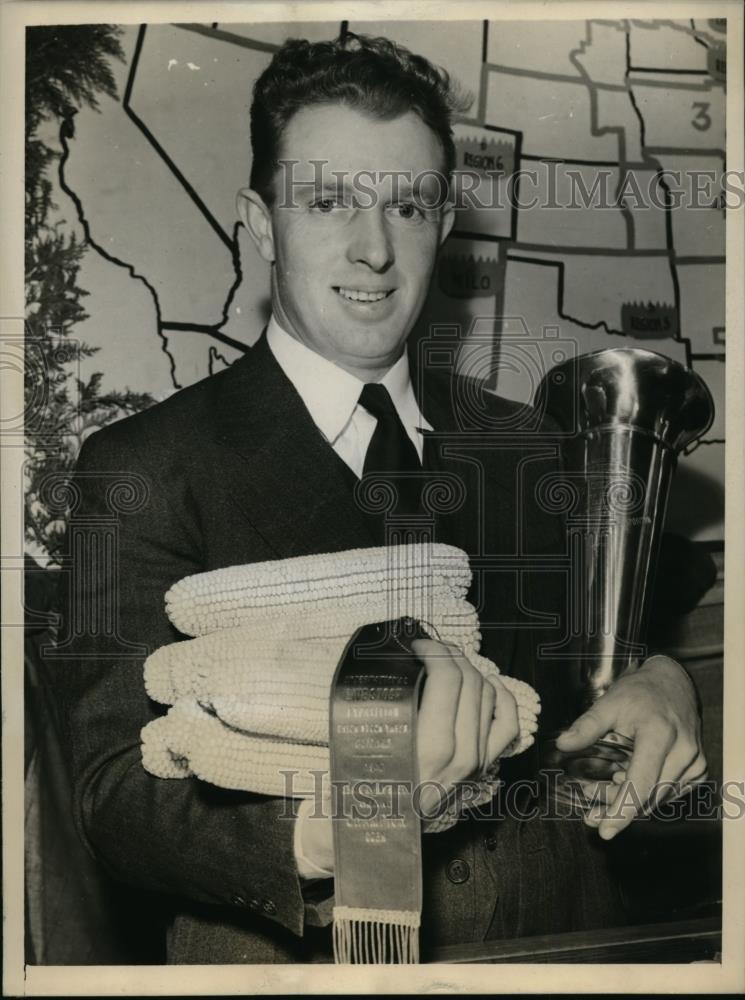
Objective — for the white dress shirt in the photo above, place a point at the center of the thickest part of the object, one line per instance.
(331, 396)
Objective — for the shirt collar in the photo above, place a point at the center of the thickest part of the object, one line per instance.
(330, 393)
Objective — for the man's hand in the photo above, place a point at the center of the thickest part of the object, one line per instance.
(465, 721)
(655, 706)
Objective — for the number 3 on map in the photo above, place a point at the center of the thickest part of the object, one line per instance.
(702, 119)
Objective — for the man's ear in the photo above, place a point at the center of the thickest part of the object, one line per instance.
(257, 219)
(447, 220)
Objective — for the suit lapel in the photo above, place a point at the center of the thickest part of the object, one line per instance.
(287, 480)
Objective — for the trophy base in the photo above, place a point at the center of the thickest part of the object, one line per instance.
(578, 777)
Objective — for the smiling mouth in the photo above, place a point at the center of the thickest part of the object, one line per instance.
(359, 295)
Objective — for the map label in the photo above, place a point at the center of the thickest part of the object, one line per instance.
(483, 157)
(464, 277)
(650, 320)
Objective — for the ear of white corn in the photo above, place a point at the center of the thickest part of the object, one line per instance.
(250, 694)
(282, 687)
(239, 679)
(189, 741)
(406, 576)
(218, 661)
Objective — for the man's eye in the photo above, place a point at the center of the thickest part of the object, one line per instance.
(407, 210)
(325, 205)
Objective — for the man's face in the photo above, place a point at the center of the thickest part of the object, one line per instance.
(354, 242)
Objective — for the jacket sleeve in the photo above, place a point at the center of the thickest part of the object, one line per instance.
(126, 548)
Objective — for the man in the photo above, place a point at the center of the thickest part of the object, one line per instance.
(260, 462)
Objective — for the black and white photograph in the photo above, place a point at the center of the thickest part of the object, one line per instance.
(365, 496)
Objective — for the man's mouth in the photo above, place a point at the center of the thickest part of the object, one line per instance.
(361, 295)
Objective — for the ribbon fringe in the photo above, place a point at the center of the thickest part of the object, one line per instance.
(375, 937)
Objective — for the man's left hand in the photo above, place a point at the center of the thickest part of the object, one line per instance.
(656, 706)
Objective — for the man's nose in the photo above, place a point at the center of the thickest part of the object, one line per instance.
(371, 243)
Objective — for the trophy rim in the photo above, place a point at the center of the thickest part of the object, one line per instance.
(696, 392)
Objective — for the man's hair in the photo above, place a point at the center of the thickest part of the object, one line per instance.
(372, 75)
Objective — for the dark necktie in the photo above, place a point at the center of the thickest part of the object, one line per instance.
(391, 452)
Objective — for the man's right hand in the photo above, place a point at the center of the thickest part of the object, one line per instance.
(465, 722)
(459, 732)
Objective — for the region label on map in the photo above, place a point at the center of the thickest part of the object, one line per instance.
(464, 276)
(649, 320)
(485, 156)
(484, 165)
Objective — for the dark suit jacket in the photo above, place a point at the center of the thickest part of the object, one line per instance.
(233, 470)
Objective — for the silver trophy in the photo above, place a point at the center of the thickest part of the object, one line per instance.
(626, 415)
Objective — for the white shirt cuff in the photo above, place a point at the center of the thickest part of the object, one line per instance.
(306, 868)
